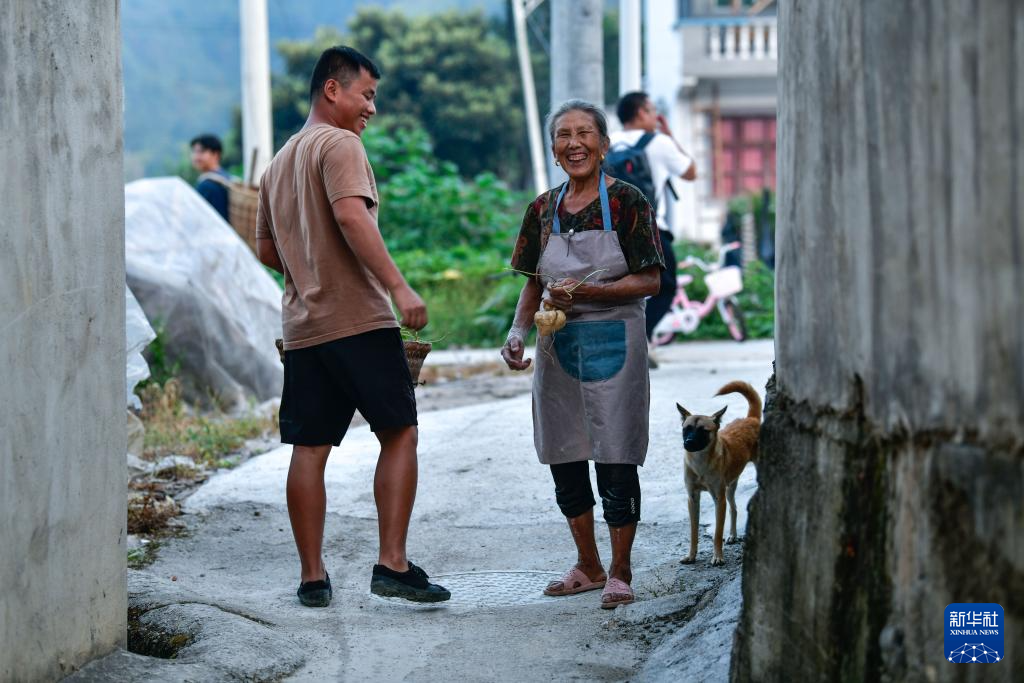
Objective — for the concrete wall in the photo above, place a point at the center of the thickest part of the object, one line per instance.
(892, 462)
(62, 356)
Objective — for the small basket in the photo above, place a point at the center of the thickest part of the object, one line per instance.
(415, 353)
(243, 201)
(725, 282)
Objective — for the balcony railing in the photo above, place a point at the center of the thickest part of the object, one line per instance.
(750, 39)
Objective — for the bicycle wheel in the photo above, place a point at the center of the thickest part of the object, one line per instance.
(663, 338)
(734, 319)
(665, 331)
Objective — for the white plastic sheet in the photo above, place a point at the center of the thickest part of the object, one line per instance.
(138, 334)
(196, 279)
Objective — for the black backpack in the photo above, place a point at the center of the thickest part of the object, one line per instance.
(630, 165)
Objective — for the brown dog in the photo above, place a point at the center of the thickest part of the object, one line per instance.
(715, 458)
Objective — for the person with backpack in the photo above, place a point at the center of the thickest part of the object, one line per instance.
(645, 154)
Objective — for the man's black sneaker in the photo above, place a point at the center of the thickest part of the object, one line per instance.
(316, 593)
(411, 585)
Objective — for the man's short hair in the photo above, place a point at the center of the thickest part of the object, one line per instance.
(630, 105)
(342, 64)
(207, 141)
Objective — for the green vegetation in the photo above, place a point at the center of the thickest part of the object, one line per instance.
(453, 74)
(173, 428)
(162, 367)
(451, 237)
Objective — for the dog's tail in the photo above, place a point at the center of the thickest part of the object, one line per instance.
(748, 392)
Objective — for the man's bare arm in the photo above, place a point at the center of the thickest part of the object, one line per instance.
(266, 251)
(691, 172)
(361, 233)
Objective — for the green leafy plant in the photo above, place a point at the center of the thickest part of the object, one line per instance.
(162, 366)
(450, 236)
(278, 277)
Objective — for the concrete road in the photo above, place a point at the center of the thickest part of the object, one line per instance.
(485, 525)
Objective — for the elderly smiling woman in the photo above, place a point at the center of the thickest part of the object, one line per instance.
(592, 251)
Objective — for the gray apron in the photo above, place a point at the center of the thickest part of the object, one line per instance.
(591, 387)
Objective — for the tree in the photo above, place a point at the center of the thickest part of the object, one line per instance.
(452, 73)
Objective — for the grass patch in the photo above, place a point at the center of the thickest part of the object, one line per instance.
(173, 428)
(144, 555)
(149, 509)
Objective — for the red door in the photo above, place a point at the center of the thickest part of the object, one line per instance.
(745, 159)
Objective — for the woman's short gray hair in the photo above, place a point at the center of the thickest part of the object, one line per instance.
(596, 113)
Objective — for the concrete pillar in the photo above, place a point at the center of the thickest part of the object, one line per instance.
(257, 127)
(629, 46)
(663, 73)
(890, 470)
(577, 59)
(62, 350)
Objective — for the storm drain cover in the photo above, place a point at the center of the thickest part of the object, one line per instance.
(493, 589)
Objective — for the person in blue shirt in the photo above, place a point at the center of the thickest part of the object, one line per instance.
(206, 154)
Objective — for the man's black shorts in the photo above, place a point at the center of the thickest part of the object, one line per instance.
(325, 384)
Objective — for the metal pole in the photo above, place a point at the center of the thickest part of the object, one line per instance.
(540, 174)
(629, 46)
(257, 134)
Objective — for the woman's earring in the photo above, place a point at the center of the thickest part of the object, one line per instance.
(557, 162)
(602, 157)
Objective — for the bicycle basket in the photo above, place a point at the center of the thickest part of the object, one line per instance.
(725, 282)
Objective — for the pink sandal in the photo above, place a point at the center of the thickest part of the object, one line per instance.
(616, 592)
(574, 581)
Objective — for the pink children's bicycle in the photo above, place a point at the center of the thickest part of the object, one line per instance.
(724, 283)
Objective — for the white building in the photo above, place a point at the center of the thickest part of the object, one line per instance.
(710, 66)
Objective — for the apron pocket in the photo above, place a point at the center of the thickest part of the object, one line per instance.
(591, 351)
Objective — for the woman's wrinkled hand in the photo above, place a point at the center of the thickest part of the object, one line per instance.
(561, 294)
(512, 352)
(564, 292)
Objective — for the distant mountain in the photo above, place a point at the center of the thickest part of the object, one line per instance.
(181, 64)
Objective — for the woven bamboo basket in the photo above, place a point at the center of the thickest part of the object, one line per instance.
(415, 353)
(242, 202)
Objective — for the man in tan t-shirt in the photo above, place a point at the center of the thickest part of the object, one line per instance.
(317, 224)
